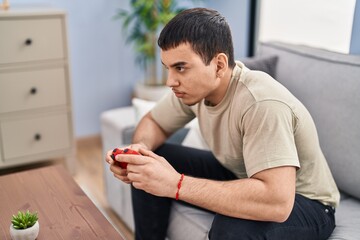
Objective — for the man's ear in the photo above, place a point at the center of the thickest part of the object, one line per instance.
(221, 64)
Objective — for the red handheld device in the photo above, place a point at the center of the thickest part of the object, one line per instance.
(117, 151)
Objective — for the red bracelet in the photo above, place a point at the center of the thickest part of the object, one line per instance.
(179, 186)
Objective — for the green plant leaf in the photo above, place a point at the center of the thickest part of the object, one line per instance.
(24, 220)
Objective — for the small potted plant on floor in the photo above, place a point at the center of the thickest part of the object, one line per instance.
(24, 225)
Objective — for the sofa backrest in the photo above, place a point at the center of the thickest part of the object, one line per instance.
(328, 84)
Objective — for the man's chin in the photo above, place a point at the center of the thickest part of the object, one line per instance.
(188, 103)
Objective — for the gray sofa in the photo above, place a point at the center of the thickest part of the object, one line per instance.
(327, 83)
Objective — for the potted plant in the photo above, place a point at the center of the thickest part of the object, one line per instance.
(24, 225)
(141, 24)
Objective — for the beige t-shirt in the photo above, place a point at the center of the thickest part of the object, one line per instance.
(258, 125)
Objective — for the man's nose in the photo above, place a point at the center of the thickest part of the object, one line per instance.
(171, 80)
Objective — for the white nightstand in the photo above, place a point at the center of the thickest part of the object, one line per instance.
(35, 91)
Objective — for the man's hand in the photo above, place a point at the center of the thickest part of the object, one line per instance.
(148, 171)
(137, 146)
(151, 173)
(119, 172)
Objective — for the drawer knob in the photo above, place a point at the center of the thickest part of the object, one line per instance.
(33, 90)
(37, 137)
(28, 41)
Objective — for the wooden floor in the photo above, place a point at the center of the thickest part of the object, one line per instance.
(89, 176)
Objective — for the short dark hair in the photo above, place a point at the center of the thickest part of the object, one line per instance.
(204, 29)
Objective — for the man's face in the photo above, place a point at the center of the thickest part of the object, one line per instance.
(188, 76)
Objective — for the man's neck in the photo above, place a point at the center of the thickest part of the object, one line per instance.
(221, 90)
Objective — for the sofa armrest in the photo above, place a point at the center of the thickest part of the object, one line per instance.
(113, 124)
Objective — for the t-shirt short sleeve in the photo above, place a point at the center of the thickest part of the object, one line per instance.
(269, 137)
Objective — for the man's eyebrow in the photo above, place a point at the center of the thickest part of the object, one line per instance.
(177, 64)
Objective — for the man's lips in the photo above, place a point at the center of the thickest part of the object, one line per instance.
(178, 94)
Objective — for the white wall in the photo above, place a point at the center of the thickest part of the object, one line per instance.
(319, 23)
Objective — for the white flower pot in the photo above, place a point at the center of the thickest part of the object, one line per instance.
(150, 93)
(25, 234)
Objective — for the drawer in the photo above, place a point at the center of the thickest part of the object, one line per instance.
(32, 89)
(31, 40)
(35, 135)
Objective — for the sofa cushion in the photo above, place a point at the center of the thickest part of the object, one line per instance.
(127, 135)
(347, 220)
(262, 63)
(328, 84)
(189, 223)
(141, 107)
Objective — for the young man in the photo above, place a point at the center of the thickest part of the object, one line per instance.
(265, 177)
